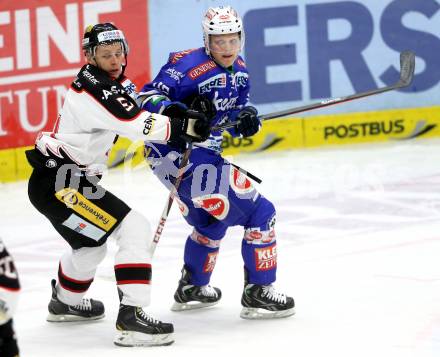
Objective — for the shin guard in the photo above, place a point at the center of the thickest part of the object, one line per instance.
(200, 257)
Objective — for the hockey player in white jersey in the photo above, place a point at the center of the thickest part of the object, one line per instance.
(68, 163)
(9, 290)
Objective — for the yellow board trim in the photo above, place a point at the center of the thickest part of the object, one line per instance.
(81, 205)
(387, 125)
(279, 134)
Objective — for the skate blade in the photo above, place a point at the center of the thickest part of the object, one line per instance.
(71, 318)
(193, 305)
(138, 339)
(251, 313)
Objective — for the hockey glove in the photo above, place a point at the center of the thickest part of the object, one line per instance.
(203, 105)
(186, 125)
(175, 110)
(249, 122)
(8, 341)
(199, 127)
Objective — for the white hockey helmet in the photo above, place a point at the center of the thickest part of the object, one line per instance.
(221, 20)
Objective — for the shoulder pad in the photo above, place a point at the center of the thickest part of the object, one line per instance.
(109, 93)
(240, 62)
(177, 56)
(89, 77)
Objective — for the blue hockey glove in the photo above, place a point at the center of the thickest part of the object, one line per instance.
(249, 122)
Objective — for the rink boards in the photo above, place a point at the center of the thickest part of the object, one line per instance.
(281, 134)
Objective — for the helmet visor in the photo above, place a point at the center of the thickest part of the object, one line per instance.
(225, 43)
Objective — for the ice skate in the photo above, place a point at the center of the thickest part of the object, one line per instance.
(190, 297)
(136, 328)
(264, 302)
(87, 309)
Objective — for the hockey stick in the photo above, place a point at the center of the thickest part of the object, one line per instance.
(169, 204)
(407, 66)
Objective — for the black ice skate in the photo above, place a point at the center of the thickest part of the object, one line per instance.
(264, 302)
(190, 297)
(135, 328)
(88, 309)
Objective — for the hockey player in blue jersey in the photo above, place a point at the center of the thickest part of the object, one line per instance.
(213, 194)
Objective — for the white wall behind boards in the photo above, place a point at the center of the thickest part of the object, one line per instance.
(307, 50)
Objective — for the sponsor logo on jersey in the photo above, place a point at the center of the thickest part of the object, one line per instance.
(176, 75)
(108, 93)
(239, 181)
(241, 63)
(85, 208)
(51, 163)
(266, 258)
(162, 87)
(224, 104)
(218, 81)
(129, 87)
(79, 225)
(217, 205)
(255, 236)
(203, 240)
(148, 125)
(77, 83)
(210, 261)
(179, 55)
(201, 69)
(252, 235)
(90, 77)
(240, 79)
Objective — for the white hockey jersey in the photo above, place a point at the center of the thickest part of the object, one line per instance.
(9, 285)
(95, 110)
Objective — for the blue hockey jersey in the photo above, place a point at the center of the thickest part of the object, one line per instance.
(190, 73)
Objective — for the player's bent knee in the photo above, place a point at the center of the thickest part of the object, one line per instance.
(135, 230)
(88, 258)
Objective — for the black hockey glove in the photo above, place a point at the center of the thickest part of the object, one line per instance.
(203, 105)
(249, 122)
(8, 341)
(187, 125)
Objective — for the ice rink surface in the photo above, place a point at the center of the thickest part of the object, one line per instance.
(358, 248)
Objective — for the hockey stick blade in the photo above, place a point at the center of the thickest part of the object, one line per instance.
(407, 67)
